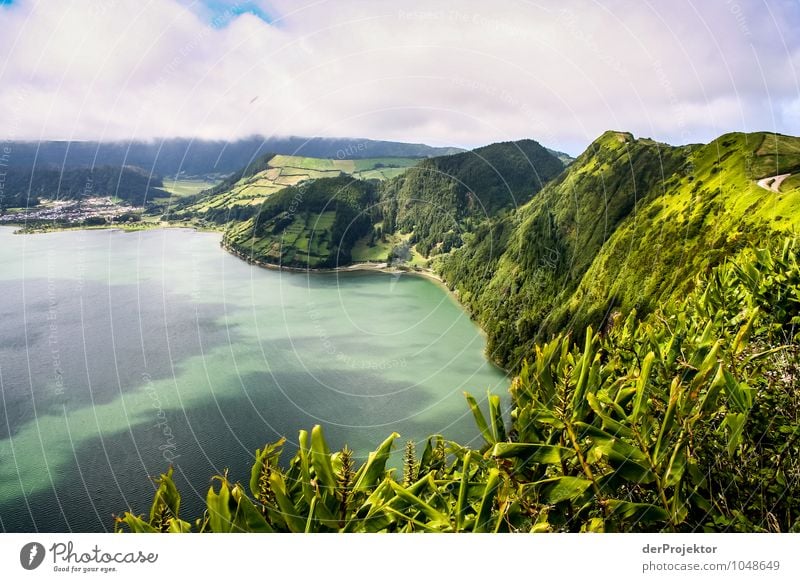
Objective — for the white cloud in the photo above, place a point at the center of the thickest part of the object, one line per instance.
(464, 72)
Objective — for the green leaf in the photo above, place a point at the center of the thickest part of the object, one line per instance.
(247, 518)
(740, 395)
(483, 519)
(641, 386)
(462, 501)
(734, 423)
(668, 423)
(480, 420)
(560, 489)
(433, 515)
(582, 385)
(135, 523)
(637, 512)
(179, 526)
(219, 512)
(496, 418)
(609, 424)
(373, 471)
(288, 512)
(321, 459)
(166, 496)
(533, 452)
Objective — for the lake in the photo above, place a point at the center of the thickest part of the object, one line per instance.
(121, 353)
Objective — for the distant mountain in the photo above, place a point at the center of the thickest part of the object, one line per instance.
(566, 159)
(239, 195)
(23, 188)
(173, 157)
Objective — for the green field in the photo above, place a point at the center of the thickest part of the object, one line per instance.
(189, 187)
(376, 252)
(282, 171)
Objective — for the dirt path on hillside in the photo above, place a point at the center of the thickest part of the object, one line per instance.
(773, 183)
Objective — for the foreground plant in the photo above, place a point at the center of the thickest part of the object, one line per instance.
(686, 421)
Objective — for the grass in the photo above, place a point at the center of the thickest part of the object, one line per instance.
(377, 253)
(791, 183)
(283, 171)
(180, 188)
(777, 154)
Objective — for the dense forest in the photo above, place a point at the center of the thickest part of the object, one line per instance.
(313, 225)
(433, 204)
(442, 198)
(23, 188)
(627, 226)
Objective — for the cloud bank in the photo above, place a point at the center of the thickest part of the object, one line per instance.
(447, 72)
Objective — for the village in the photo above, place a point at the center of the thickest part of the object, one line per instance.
(94, 210)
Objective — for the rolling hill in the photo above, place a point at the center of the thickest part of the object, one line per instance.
(239, 195)
(627, 226)
(312, 225)
(188, 157)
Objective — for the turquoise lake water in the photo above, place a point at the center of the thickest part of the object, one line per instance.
(121, 353)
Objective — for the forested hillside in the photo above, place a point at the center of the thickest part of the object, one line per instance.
(194, 157)
(442, 199)
(532, 248)
(238, 197)
(24, 187)
(311, 225)
(628, 225)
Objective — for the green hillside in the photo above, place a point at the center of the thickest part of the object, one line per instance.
(312, 225)
(628, 225)
(443, 198)
(419, 211)
(238, 197)
(648, 299)
(23, 187)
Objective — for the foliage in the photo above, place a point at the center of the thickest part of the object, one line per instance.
(442, 198)
(237, 197)
(627, 226)
(315, 224)
(686, 420)
(24, 187)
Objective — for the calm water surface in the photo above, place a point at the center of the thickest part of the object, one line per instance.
(123, 352)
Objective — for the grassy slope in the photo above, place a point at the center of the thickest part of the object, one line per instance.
(628, 225)
(274, 173)
(313, 225)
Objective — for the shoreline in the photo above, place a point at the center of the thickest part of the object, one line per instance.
(354, 268)
(23, 228)
(365, 267)
(369, 268)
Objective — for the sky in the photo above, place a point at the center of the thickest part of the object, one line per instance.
(462, 73)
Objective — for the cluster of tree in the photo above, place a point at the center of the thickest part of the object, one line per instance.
(441, 198)
(683, 421)
(23, 187)
(354, 204)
